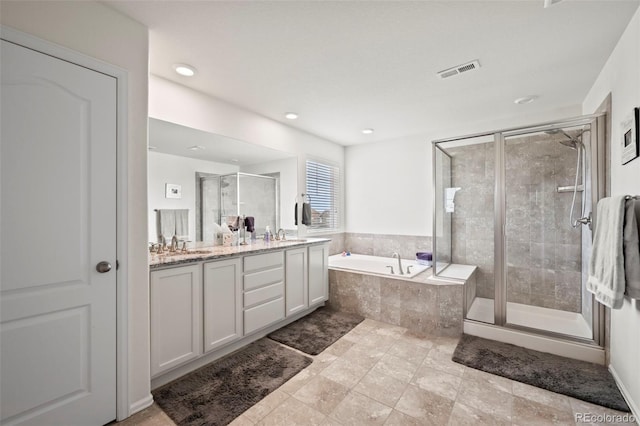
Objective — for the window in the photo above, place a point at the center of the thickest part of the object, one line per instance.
(323, 189)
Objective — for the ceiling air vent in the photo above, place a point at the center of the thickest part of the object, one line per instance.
(450, 72)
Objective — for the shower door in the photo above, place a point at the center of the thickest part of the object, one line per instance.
(547, 188)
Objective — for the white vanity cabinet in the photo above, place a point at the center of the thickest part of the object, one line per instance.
(296, 280)
(213, 306)
(222, 302)
(318, 274)
(263, 290)
(176, 317)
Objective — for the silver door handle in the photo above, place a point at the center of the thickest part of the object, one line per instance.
(103, 267)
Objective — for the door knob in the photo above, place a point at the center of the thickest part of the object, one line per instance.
(103, 267)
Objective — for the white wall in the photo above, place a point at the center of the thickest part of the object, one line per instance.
(388, 187)
(288, 169)
(389, 184)
(166, 168)
(621, 77)
(102, 33)
(178, 104)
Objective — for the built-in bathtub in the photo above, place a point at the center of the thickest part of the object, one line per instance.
(385, 266)
(363, 285)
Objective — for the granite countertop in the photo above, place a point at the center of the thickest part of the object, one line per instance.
(201, 252)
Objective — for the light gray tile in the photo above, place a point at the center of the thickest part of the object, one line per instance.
(425, 406)
(381, 387)
(321, 394)
(436, 381)
(361, 410)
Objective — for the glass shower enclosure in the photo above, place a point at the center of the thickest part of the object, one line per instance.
(517, 204)
(239, 194)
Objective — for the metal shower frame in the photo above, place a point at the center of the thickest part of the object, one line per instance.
(597, 156)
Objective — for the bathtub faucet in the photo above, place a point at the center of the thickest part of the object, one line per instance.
(395, 254)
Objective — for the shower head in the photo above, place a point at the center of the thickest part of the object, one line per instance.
(571, 142)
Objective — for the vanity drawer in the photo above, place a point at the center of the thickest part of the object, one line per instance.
(263, 315)
(263, 278)
(264, 261)
(263, 294)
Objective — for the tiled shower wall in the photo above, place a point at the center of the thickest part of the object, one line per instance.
(543, 252)
(472, 221)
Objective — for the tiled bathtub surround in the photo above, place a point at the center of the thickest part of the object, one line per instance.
(420, 307)
(385, 245)
(336, 245)
(543, 253)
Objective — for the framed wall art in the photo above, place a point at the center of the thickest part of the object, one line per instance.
(630, 133)
(173, 191)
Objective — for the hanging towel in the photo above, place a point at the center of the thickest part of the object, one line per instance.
(166, 221)
(295, 214)
(306, 214)
(182, 224)
(233, 222)
(632, 248)
(249, 223)
(606, 265)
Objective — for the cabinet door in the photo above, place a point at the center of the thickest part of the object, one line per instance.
(176, 317)
(222, 303)
(296, 283)
(318, 274)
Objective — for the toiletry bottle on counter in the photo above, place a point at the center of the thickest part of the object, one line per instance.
(267, 234)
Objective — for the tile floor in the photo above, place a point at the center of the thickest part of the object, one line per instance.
(379, 374)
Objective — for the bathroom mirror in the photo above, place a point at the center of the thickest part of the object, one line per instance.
(218, 176)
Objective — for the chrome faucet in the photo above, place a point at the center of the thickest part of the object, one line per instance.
(174, 244)
(284, 234)
(395, 254)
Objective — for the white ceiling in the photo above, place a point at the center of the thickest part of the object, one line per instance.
(347, 65)
(171, 138)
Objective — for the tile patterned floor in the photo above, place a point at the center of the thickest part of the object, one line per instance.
(379, 374)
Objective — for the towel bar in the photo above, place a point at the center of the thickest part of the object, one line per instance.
(632, 197)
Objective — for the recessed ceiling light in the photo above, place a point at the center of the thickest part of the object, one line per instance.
(367, 131)
(525, 100)
(151, 147)
(196, 148)
(291, 115)
(185, 70)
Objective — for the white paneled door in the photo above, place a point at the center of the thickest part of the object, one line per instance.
(58, 229)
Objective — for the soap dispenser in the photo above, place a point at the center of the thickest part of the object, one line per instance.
(267, 234)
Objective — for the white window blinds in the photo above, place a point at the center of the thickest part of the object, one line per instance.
(323, 189)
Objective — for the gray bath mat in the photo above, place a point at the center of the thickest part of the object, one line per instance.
(219, 392)
(578, 379)
(317, 331)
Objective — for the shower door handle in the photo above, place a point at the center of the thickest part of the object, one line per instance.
(585, 221)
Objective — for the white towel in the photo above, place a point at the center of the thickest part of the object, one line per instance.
(182, 224)
(632, 248)
(606, 266)
(166, 224)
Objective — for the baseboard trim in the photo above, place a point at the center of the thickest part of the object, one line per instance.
(141, 404)
(635, 409)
